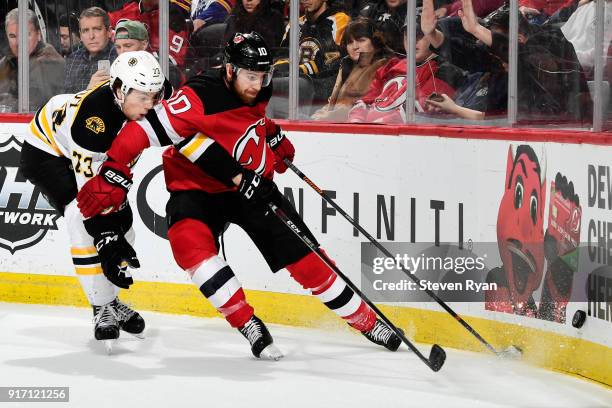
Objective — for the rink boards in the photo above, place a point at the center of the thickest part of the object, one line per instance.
(395, 180)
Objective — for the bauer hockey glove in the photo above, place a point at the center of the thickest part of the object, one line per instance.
(282, 148)
(105, 192)
(255, 189)
(116, 254)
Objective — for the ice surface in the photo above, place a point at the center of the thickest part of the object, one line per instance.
(188, 362)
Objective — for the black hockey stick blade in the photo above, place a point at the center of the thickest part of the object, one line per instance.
(437, 357)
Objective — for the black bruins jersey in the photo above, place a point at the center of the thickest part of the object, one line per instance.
(320, 50)
(80, 127)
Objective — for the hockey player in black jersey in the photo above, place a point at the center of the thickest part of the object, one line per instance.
(66, 143)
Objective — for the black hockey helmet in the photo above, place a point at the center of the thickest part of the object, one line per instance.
(248, 51)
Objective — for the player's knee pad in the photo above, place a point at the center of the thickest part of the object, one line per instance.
(311, 272)
(192, 242)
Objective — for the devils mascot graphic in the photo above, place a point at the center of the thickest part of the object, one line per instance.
(524, 246)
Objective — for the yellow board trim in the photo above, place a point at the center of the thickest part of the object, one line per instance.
(94, 270)
(553, 351)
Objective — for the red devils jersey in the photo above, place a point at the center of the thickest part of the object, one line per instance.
(202, 113)
(178, 34)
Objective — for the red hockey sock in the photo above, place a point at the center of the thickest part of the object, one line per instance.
(236, 310)
(312, 273)
(194, 249)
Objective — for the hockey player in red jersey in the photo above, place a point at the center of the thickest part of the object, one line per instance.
(220, 170)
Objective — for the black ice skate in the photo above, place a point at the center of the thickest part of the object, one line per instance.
(129, 320)
(261, 341)
(106, 327)
(382, 335)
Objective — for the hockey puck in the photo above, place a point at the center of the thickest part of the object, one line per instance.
(579, 318)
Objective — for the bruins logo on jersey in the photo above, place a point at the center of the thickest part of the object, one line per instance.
(132, 62)
(309, 48)
(95, 124)
(331, 57)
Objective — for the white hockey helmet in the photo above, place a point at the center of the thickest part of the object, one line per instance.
(137, 70)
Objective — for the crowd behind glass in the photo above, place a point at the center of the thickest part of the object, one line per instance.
(352, 54)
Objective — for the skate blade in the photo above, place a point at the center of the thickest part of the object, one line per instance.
(108, 346)
(139, 336)
(271, 352)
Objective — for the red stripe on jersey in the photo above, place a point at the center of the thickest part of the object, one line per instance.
(129, 143)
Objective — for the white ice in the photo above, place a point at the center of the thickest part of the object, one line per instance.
(188, 362)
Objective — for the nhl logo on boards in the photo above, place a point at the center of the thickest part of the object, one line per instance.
(95, 124)
(25, 215)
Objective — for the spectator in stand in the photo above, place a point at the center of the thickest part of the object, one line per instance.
(147, 12)
(208, 12)
(538, 11)
(389, 16)
(258, 16)
(131, 36)
(385, 100)
(82, 65)
(367, 52)
(481, 7)
(484, 91)
(579, 29)
(321, 31)
(46, 65)
(551, 83)
(69, 34)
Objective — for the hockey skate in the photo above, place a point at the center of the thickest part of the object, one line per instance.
(129, 320)
(106, 327)
(262, 346)
(382, 335)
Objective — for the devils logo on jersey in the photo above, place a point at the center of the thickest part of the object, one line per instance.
(392, 96)
(250, 149)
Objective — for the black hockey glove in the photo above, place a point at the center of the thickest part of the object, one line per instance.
(116, 254)
(255, 189)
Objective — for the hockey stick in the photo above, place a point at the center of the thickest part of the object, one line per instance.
(511, 351)
(437, 356)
